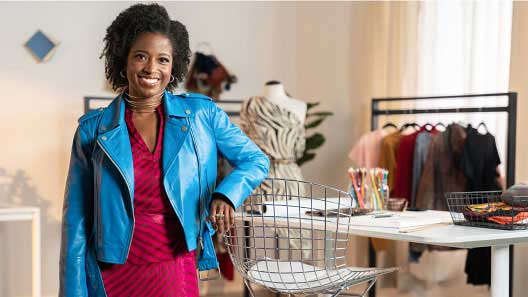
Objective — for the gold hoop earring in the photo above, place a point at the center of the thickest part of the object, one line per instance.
(172, 79)
(121, 74)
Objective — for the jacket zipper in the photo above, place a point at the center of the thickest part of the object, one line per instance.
(129, 194)
(201, 207)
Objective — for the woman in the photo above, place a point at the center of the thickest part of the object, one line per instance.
(140, 199)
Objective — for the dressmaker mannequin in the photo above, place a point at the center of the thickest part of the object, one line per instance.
(274, 92)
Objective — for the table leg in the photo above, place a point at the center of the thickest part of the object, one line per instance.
(500, 271)
(372, 263)
(36, 259)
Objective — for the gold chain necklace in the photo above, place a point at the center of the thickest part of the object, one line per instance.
(143, 106)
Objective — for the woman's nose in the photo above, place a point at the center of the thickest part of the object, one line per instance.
(149, 66)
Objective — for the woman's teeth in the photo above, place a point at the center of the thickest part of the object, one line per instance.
(150, 80)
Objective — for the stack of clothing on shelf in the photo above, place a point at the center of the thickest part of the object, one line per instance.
(424, 163)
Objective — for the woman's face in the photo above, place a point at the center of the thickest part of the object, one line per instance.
(149, 65)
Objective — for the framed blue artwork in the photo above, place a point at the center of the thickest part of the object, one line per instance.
(41, 46)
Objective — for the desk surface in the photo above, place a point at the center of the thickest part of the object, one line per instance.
(444, 235)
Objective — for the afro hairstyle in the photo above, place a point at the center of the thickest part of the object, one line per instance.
(132, 22)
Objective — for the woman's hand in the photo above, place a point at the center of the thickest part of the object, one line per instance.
(222, 215)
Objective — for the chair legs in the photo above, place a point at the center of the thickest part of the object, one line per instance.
(250, 289)
(362, 294)
(371, 283)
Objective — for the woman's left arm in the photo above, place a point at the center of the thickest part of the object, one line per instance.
(250, 164)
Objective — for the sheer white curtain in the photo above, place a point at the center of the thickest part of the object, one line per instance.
(449, 48)
(464, 48)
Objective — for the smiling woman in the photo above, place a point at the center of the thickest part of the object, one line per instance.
(149, 65)
(141, 194)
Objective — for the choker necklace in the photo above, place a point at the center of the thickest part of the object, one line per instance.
(143, 106)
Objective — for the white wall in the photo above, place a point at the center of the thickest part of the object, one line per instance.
(41, 102)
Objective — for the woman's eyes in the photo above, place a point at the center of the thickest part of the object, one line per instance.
(162, 60)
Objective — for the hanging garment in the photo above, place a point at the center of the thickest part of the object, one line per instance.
(421, 147)
(366, 152)
(404, 170)
(479, 161)
(441, 172)
(208, 76)
(388, 153)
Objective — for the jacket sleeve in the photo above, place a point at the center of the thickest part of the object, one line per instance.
(76, 219)
(250, 164)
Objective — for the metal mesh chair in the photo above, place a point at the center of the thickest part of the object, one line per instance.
(291, 237)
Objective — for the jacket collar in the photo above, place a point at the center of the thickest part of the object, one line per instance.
(114, 114)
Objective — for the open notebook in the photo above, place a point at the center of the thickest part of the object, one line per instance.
(402, 220)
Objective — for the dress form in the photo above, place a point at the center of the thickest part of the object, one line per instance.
(274, 91)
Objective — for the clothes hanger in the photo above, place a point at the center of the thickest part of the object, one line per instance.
(389, 124)
(429, 127)
(440, 124)
(407, 125)
(482, 124)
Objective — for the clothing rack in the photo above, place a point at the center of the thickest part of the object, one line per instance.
(510, 109)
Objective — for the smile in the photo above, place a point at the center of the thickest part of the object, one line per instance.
(149, 80)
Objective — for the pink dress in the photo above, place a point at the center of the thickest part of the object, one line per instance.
(158, 263)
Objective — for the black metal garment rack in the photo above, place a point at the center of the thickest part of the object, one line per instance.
(510, 109)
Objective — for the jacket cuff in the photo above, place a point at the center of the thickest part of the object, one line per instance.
(218, 195)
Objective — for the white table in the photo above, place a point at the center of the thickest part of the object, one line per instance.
(20, 213)
(444, 235)
(461, 237)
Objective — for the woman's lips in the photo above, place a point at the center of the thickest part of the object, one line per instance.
(148, 81)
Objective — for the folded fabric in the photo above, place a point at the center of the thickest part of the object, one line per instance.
(519, 218)
(497, 210)
(488, 207)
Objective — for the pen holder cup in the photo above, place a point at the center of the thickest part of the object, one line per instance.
(396, 204)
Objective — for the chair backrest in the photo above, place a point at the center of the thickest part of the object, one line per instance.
(290, 222)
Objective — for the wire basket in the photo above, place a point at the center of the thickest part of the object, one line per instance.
(486, 210)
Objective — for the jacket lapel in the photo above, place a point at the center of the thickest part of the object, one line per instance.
(114, 140)
(176, 128)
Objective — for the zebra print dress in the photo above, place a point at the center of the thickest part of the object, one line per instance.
(280, 134)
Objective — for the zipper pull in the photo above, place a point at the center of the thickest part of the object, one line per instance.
(200, 239)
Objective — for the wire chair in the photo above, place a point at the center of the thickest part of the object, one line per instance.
(291, 237)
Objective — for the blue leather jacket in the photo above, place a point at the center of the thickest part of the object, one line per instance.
(98, 214)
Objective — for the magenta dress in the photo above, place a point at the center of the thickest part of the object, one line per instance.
(159, 263)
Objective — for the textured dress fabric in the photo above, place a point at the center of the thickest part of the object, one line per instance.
(158, 263)
(281, 135)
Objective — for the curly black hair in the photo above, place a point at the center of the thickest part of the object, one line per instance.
(132, 22)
